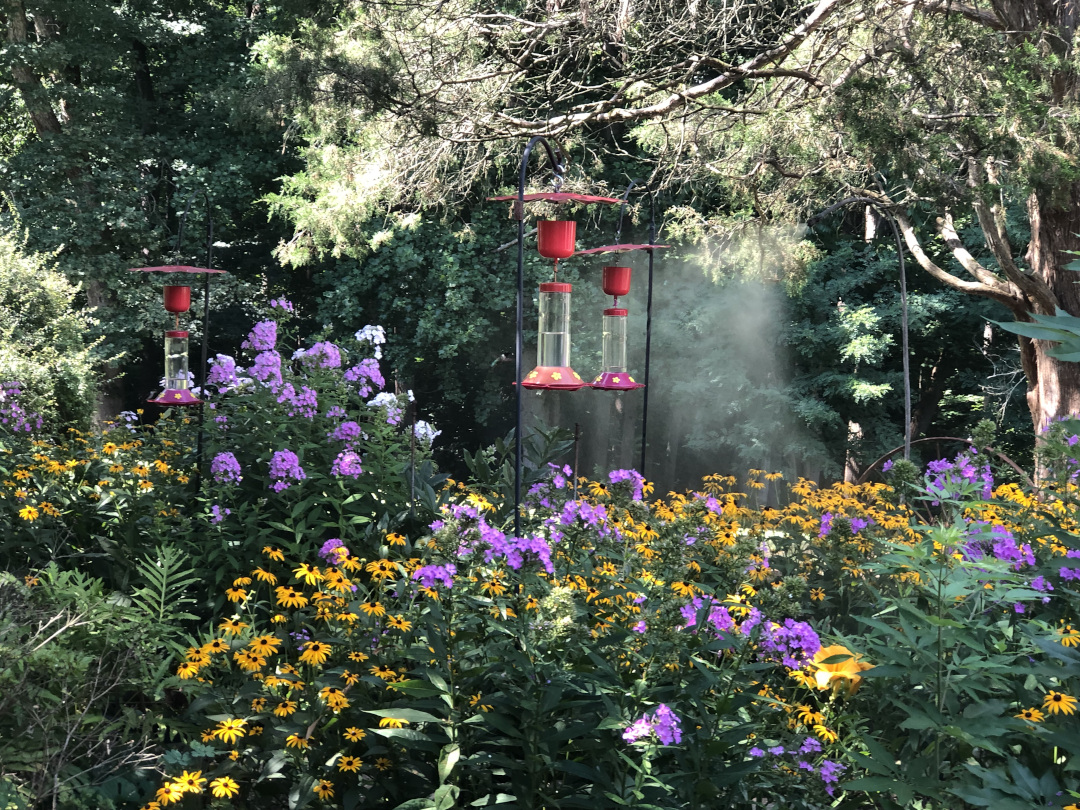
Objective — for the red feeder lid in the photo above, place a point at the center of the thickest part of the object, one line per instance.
(618, 312)
(176, 333)
(556, 286)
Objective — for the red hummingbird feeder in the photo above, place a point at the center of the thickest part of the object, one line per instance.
(177, 300)
(614, 375)
(555, 240)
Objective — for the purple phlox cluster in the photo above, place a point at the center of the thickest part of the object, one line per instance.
(664, 723)
(826, 524)
(389, 401)
(13, 414)
(595, 516)
(1070, 573)
(425, 432)
(858, 524)
(347, 432)
(303, 636)
(224, 373)
(810, 745)
(830, 774)
(226, 469)
(887, 465)
(368, 375)
(827, 770)
(347, 463)
(221, 421)
(700, 533)
(635, 478)
(374, 335)
(714, 505)
(283, 304)
(217, 514)
(324, 354)
(428, 575)
(334, 551)
(267, 369)
(953, 478)
(719, 619)
(303, 403)
(1006, 548)
(1018, 607)
(262, 337)
(794, 643)
(285, 468)
(1040, 584)
(560, 476)
(335, 412)
(640, 627)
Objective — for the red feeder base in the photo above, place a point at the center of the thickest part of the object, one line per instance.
(615, 381)
(175, 396)
(554, 378)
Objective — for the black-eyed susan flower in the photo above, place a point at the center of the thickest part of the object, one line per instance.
(315, 653)
(274, 553)
(381, 569)
(264, 576)
(258, 705)
(395, 539)
(372, 608)
(233, 627)
(217, 645)
(265, 645)
(392, 722)
(1069, 636)
(285, 708)
(358, 657)
(169, 792)
(383, 764)
(230, 730)
(817, 594)
(309, 574)
(29, 513)
(353, 734)
(224, 788)
(190, 781)
(296, 741)
(1032, 715)
(324, 789)
(399, 622)
(349, 763)
(1059, 703)
(236, 594)
(384, 672)
(249, 660)
(290, 597)
(334, 697)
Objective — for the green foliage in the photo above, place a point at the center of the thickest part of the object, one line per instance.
(43, 337)
(75, 666)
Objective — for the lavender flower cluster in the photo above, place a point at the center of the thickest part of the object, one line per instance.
(12, 414)
(286, 470)
(637, 481)
(477, 535)
(664, 723)
(826, 769)
(953, 479)
(429, 575)
(226, 469)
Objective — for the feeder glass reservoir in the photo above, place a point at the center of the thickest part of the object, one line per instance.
(554, 338)
(176, 361)
(614, 344)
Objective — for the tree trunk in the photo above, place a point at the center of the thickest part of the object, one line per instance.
(1054, 387)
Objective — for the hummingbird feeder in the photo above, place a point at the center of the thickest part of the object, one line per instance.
(177, 300)
(614, 375)
(555, 240)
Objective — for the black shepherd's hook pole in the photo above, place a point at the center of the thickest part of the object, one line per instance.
(206, 312)
(558, 166)
(870, 201)
(648, 308)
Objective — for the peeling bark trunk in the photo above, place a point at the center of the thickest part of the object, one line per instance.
(29, 83)
(1053, 386)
